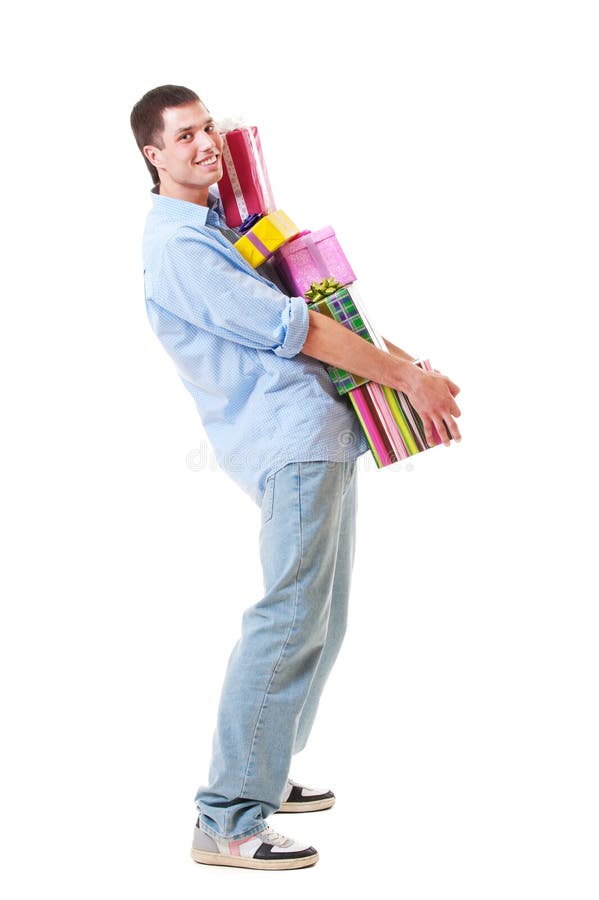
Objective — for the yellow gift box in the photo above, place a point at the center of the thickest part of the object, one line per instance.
(266, 236)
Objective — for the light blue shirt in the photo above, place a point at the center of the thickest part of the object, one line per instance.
(235, 339)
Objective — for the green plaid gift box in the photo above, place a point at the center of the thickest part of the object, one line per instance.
(341, 307)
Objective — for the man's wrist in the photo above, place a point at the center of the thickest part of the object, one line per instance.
(396, 371)
(397, 351)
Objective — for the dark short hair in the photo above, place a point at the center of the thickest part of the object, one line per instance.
(147, 123)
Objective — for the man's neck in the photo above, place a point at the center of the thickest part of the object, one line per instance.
(199, 196)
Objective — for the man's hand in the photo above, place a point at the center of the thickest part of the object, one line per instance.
(431, 394)
(425, 412)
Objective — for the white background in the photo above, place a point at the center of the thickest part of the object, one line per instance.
(454, 149)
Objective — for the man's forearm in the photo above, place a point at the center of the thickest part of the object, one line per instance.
(335, 344)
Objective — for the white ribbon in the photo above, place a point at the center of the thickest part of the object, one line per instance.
(238, 193)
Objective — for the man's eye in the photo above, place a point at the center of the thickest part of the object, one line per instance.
(187, 134)
(209, 127)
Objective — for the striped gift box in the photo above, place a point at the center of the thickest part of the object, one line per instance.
(392, 426)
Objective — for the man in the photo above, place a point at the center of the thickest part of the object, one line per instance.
(251, 357)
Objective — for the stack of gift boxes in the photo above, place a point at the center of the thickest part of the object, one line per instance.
(312, 265)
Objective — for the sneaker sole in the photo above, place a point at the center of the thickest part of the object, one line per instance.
(222, 859)
(306, 806)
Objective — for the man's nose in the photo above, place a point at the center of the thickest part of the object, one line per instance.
(205, 141)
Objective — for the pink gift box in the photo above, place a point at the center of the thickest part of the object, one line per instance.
(244, 188)
(312, 256)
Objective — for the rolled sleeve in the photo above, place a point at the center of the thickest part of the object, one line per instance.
(206, 283)
(296, 328)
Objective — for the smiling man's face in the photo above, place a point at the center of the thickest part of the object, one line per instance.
(191, 159)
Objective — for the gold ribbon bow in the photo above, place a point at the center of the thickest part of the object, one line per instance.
(321, 289)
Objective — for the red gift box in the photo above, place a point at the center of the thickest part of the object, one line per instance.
(244, 188)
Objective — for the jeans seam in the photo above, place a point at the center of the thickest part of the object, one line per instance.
(347, 481)
(281, 654)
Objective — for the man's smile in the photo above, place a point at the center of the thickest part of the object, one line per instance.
(208, 160)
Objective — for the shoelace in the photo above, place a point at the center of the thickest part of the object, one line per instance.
(270, 836)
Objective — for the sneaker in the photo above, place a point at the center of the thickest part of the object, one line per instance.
(265, 850)
(298, 798)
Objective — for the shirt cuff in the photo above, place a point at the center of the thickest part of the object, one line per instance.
(296, 327)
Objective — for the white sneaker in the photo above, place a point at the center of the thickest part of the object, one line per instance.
(265, 850)
(299, 798)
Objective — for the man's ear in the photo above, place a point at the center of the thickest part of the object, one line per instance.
(153, 154)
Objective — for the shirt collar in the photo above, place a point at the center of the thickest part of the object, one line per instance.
(186, 212)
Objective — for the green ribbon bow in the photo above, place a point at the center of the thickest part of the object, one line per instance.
(321, 289)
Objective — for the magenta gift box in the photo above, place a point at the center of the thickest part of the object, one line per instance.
(312, 256)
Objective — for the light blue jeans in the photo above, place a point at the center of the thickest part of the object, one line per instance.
(289, 642)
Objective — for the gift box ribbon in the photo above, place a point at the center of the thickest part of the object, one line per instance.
(321, 289)
(232, 173)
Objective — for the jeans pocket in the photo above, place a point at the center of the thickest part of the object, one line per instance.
(268, 499)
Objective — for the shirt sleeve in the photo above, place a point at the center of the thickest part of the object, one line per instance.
(202, 282)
